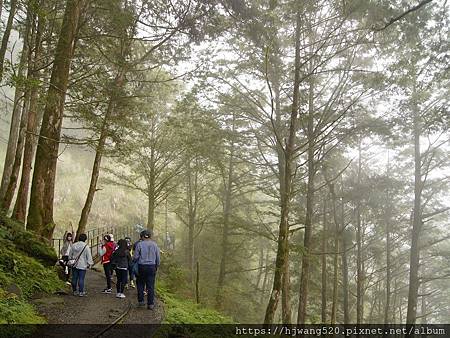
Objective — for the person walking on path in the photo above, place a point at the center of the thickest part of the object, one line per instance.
(106, 252)
(80, 258)
(121, 260)
(65, 252)
(147, 256)
(130, 267)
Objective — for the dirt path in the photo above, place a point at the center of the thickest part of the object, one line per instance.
(95, 308)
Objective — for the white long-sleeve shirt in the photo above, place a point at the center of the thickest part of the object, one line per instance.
(85, 259)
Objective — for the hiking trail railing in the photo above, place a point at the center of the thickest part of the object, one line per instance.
(95, 236)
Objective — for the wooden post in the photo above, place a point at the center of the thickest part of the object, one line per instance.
(197, 295)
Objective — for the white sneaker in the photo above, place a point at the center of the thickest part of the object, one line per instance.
(121, 295)
(118, 295)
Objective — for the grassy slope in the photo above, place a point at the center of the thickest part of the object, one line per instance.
(25, 264)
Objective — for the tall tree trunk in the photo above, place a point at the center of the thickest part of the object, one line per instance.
(1, 7)
(118, 82)
(359, 269)
(20, 208)
(25, 62)
(324, 263)
(306, 257)
(336, 254)
(283, 235)
(260, 265)
(393, 318)
(40, 214)
(10, 191)
(344, 267)
(14, 129)
(6, 34)
(285, 281)
(266, 277)
(417, 223)
(151, 212)
(423, 306)
(228, 188)
(387, 307)
(191, 192)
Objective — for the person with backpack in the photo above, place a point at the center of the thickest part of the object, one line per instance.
(64, 252)
(106, 252)
(147, 256)
(80, 259)
(120, 261)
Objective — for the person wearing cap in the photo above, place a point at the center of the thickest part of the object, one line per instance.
(147, 256)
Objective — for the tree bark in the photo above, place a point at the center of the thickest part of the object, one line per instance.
(283, 239)
(20, 208)
(6, 34)
(40, 214)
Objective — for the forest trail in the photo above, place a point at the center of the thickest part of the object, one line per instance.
(95, 308)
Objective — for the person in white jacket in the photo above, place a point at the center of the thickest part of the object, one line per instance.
(81, 258)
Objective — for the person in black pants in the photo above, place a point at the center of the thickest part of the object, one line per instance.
(147, 256)
(106, 252)
(120, 261)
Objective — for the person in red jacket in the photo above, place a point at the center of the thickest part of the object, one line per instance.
(106, 252)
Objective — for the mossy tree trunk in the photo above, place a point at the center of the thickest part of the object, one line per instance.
(40, 214)
(283, 235)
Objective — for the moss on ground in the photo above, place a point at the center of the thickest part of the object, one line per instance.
(24, 270)
(184, 311)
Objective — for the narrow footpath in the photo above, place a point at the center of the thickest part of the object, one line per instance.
(95, 308)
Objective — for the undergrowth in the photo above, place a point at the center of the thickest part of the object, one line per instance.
(26, 268)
